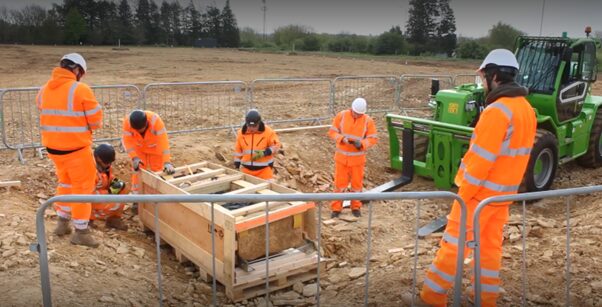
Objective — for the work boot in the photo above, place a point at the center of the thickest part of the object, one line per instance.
(92, 225)
(356, 213)
(84, 237)
(406, 298)
(62, 227)
(335, 214)
(117, 223)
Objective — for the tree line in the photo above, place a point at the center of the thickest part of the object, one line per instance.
(106, 22)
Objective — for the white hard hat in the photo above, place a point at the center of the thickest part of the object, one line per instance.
(77, 59)
(500, 57)
(359, 105)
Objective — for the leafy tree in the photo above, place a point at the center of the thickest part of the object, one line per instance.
(502, 35)
(143, 24)
(213, 22)
(75, 27)
(446, 29)
(310, 43)
(230, 36)
(390, 42)
(125, 27)
(249, 38)
(420, 26)
(471, 49)
(286, 35)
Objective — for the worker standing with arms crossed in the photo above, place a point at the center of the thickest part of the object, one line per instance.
(69, 113)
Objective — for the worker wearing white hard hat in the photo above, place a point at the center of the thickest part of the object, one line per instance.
(69, 113)
(354, 133)
(75, 63)
(494, 165)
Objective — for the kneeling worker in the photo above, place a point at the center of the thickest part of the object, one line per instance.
(256, 144)
(107, 183)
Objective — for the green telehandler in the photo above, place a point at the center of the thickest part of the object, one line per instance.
(559, 73)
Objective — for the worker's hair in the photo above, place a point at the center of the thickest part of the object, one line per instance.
(68, 64)
(504, 74)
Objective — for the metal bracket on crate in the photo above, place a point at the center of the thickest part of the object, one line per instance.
(41, 152)
(245, 266)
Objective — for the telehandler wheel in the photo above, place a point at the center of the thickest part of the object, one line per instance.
(543, 162)
(593, 156)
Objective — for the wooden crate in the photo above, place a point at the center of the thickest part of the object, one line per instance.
(239, 233)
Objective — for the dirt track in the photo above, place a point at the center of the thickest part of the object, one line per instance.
(122, 271)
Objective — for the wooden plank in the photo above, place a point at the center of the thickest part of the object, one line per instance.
(187, 167)
(212, 186)
(282, 269)
(301, 275)
(250, 189)
(229, 250)
(301, 128)
(197, 177)
(246, 184)
(256, 207)
(15, 183)
(274, 216)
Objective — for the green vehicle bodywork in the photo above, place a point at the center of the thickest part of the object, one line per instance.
(559, 72)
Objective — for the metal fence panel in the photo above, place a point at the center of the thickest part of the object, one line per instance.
(476, 244)
(466, 78)
(21, 120)
(381, 92)
(416, 91)
(197, 106)
(290, 101)
(41, 247)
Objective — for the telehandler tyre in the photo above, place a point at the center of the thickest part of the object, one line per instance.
(543, 163)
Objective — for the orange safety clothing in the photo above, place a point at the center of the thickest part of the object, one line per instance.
(494, 164)
(152, 148)
(69, 112)
(76, 173)
(105, 210)
(250, 143)
(350, 161)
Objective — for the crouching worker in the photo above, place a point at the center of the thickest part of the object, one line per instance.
(106, 183)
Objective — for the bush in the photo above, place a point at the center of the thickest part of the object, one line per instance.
(471, 49)
(390, 43)
(309, 43)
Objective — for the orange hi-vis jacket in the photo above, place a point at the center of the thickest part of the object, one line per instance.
(69, 112)
(361, 128)
(248, 143)
(153, 142)
(499, 150)
(103, 181)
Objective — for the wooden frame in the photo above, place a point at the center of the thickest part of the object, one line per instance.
(239, 233)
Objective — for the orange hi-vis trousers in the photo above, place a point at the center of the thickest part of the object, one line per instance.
(343, 175)
(106, 210)
(149, 162)
(76, 173)
(264, 173)
(440, 275)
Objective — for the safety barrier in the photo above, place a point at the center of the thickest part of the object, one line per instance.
(476, 244)
(20, 117)
(198, 106)
(381, 92)
(41, 246)
(416, 90)
(465, 78)
(286, 101)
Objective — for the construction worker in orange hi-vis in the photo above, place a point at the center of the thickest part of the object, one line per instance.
(69, 113)
(494, 164)
(256, 144)
(354, 133)
(146, 143)
(107, 183)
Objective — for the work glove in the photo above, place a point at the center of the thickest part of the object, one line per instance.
(116, 186)
(258, 154)
(136, 162)
(345, 140)
(357, 144)
(168, 168)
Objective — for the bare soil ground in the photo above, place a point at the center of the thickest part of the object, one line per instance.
(122, 271)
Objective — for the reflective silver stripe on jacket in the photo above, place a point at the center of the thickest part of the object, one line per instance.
(267, 163)
(351, 154)
(490, 185)
(64, 129)
(69, 113)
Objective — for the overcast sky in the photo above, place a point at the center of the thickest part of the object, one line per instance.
(473, 17)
